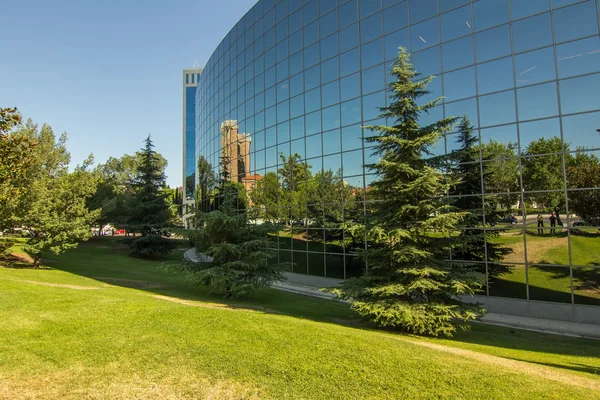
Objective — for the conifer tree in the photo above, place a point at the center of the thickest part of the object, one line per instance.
(410, 283)
(466, 168)
(236, 255)
(148, 211)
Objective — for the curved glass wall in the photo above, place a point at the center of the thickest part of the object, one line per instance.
(289, 88)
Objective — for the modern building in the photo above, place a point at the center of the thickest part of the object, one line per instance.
(191, 78)
(303, 77)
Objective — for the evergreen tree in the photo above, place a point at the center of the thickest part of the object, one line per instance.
(205, 185)
(471, 242)
(293, 195)
(148, 210)
(410, 283)
(239, 259)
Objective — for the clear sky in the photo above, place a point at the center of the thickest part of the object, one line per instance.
(109, 72)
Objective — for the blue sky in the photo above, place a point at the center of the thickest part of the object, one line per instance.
(109, 72)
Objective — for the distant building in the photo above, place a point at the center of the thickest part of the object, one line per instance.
(236, 151)
(190, 83)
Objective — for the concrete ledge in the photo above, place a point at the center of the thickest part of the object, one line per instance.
(312, 281)
(194, 257)
(573, 313)
(304, 290)
(544, 325)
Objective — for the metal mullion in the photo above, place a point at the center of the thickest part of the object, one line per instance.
(523, 206)
(566, 191)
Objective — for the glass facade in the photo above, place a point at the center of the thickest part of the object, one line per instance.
(191, 78)
(190, 140)
(286, 93)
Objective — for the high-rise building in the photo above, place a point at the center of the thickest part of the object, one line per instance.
(190, 83)
(301, 79)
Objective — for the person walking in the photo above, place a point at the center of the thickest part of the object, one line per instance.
(540, 221)
(553, 223)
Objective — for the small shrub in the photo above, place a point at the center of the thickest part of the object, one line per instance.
(5, 246)
(152, 246)
(128, 241)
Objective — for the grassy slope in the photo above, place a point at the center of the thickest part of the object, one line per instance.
(118, 341)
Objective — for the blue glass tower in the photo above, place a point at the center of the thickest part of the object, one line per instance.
(190, 83)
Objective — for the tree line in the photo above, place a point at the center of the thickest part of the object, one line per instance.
(55, 207)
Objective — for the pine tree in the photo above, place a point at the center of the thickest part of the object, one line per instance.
(239, 257)
(410, 283)
(148, 210)
(466, 169)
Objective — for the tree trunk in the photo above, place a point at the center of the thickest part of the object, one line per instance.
(37, 259)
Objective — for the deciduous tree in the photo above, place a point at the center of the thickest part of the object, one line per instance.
(53, 210)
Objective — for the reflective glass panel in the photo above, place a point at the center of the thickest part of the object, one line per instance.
(579, 57)
(459, 84)
(424, 34)
(458, 53)
(520, 8)
(496, 109)
(537, 101)
(580, 94)
(371, 53)
(421, 9)
(579, 20)
(393, 41)
(428, 62)
(347, 13)
(395, 17)
(536, 66)
(493, 43)
(532, 33)
(456, 23)
(495, 75)
(371, 28)
(581, 131)
(490, 13)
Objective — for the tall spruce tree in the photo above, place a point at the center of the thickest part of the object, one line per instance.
(148, 209)
(466, 168)
(410, 283)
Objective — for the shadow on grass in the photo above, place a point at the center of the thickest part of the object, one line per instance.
(18, 261)
(105, 260)
(525, 341)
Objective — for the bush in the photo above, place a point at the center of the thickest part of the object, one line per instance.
(152, 246)
(128, 241)
(5, 245)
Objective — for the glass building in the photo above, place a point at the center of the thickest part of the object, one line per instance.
(191, 78)
(292, 84)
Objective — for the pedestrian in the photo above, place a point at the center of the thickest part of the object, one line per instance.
(553, 223)
(540, 221)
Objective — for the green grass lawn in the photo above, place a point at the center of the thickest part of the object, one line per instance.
(99, 324)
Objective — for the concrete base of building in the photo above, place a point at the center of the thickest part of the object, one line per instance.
(554, 327)
(570, 313)
(312, 281)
